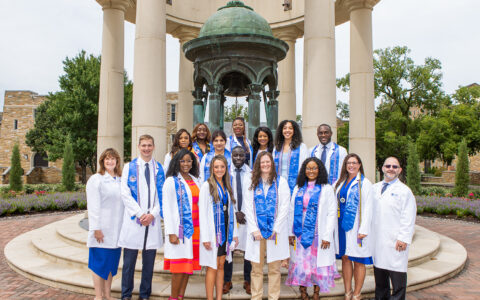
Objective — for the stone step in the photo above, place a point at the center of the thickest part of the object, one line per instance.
(28, 255)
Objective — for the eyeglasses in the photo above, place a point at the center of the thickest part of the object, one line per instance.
(311, 169)
(352, 163)
(188, 162)
(391, 166)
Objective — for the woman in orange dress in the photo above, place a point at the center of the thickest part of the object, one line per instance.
(181, 219)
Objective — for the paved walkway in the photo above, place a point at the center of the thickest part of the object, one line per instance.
(463, 286)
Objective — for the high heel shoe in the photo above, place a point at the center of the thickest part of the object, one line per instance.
(303, 293)
(316, 292)
(357, 297)
(348, 295)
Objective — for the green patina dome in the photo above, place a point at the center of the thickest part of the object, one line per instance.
(235, 18)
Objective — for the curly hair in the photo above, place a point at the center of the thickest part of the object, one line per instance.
(296, 138)
(176, 141)
(225, 179)
(174, 167)
(322, 177)
(257, 172)
(194, 133)
(344, 173)
(256, 144)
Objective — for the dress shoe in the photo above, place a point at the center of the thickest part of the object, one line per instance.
(246, 286)
(227, 287)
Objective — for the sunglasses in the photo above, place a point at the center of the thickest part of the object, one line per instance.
(391, 166)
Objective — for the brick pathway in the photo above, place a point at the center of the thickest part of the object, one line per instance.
(463, 286)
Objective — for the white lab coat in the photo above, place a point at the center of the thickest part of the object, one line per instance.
(208, 258)
(326, 224)
(171, 219)
(352, 247)
(246, 175)
(166, 162)
(248, 144)
(105, 209)
(132, 234)
(394, 214)
(281, 249)
(304, 154)
(342, 153)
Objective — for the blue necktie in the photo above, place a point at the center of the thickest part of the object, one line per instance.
(385, 185)
(324, 155)
(239, 189)
(147, 179)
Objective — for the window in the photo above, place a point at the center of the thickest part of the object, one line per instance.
(173, 108)
(15, 124)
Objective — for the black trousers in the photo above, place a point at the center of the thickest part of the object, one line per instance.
(129, 261)
(382, 284)
(228, 269)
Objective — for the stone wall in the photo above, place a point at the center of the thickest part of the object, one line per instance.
(449, 177)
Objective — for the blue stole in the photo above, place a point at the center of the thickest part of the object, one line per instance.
(293, 161)
(351, 206)
(133, 184)
(334, 161)
(234, 143)
(198, 150)
(265, 208)
(209, 158)
(219, 218)
(184, 211)
(307, 231)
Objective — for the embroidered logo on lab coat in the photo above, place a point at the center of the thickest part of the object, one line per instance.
(132, 178)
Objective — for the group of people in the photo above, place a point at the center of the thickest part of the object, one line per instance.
(271, 198)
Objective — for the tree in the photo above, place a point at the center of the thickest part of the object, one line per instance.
(413, 169)
(236, 110)
(467, 94)
(343, 138)
(403, 87)
(16, 170)
(73, 111)
(462, 177)
(68, 168)
(343, 110)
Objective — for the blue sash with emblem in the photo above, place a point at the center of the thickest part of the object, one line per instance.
(209, 158)
(265, 208)
(184, 211)
(133, 182)
(219, 218)
(293, 162)
(198, 150)
(307, 231)
(351, 206)
(334, 161)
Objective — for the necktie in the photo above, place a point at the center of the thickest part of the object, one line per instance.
(385, 185)
(239, 188)
(324, 155)
(147, 179)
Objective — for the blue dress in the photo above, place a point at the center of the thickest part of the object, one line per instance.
(103, 261)
(342, 241)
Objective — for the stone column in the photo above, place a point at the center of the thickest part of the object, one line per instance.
(319, 82)
(215, 103)
(287, 107)
(198, 106)
(254, 108)
(362, 108)
(149, 108)
(272, 111)
(185, 80)
(110, 102)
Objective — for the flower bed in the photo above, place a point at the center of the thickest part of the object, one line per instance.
(42, 202)
(448, 205)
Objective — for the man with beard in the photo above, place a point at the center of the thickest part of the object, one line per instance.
(393, 224)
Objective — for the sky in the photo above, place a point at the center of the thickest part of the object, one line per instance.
(36, 36)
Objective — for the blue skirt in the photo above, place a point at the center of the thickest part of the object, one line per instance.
(103, 261)
(343, 245)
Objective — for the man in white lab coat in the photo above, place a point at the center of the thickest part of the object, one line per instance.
(330, 153)
(394, 212)
(240, 172)
(141, 188)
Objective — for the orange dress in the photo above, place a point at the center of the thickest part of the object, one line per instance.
(187, 265)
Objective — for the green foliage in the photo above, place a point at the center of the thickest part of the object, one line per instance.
(68, 168)
(462, 177)
(73, 111)
(467, 95)
(413, 169)
(127, 120)
(343, 110)
(298, 118)
(16, 171)
(231, 112)
(342, 135)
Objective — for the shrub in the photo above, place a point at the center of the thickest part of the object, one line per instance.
(68, 168)
(462, 177)
(32, 202)
(16, 170)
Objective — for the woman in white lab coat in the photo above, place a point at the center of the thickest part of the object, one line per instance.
(218, 230)
(181, 220)
(313, 216)
(267, 200)
(353, 238)
(105, 215)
